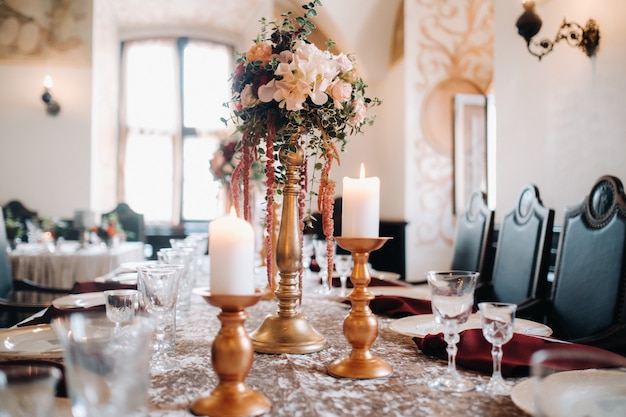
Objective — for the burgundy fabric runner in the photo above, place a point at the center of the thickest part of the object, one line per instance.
(79, 287)
(474, 352)
(374, 282)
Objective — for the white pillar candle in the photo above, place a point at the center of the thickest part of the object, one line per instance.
(231, 248)
(360, 213)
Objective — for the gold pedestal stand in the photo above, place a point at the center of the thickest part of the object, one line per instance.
(231, 356)
(361, 326)
(287, 331)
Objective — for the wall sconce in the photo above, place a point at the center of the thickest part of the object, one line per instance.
(52, 107)
(586, 38)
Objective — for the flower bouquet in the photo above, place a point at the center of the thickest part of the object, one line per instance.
(288, 93)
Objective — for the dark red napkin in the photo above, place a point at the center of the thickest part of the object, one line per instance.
(474, 352)
(397, 306)
(79, 287)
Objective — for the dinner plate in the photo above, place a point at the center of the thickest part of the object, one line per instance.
(84, 300)
(589, 392)
(123, 278)
(409, 292)
(388, 275)
(30, 342)
(423, 324)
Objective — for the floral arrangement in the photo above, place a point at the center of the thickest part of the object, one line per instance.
(226, 158)
(287, 93)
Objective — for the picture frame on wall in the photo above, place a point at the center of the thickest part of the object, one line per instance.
(470, 150)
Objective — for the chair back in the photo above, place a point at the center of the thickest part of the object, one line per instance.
(6, 277)
(473, 238)
(15, 211)
(589, 288)
(522, 259)
(131, 221)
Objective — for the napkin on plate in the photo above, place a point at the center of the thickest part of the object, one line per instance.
(474, 352)
(397, 306)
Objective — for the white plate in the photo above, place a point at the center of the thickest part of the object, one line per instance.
(84, 300)
(399, 291)
(423, 324)
(388, 275)
(590, 392)
(30, 342)
(124, 278)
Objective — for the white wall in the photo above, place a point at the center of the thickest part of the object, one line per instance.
(561, 122)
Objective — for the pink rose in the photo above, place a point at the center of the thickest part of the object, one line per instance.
(341, 92)
(359, 112)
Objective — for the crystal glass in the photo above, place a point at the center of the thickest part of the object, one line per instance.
(121, 305)
(107, 371)
(28, 390)
(576, 382)
(497, 324)
(179, 254)
(320, 247)
(343, 265)
(452, 298)
(158, 289)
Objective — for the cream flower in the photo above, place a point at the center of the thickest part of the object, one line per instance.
(247, 97)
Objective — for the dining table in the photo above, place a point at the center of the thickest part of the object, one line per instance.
(67, 262)
(300, 384)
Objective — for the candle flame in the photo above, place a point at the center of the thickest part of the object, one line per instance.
(362, 175)
(233, 212)
(47, 82)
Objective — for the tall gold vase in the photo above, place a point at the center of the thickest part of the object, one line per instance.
(288, 331)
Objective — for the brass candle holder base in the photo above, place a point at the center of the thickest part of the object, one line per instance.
(231, 356)
(360, 326)
(288, 331)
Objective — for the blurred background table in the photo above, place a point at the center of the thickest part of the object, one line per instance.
(62, 265)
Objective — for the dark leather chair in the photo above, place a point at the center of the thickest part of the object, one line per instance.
(522, 257)
(131, 221)
(588, 298)
(12, 311)
(19, 213)
(473, 239)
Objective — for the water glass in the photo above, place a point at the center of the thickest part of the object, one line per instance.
(320, 248)
(452, 299)
(121, 305)
(343, 265)
(497, 321)
(106, 370)
(158, 293)
(578, 382)
(27, 390)
(181, 255)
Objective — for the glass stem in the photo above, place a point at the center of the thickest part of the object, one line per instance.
(452, 338)
(496, 354)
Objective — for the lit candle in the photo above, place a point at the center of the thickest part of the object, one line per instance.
(47, 82)
(231, 247)
(360, 214)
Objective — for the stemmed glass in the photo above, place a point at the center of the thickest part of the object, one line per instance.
(158, 286)
(452, 298)
(343, 265)
(121, 306)
(497, 323)
(307, 254)
(320, 248)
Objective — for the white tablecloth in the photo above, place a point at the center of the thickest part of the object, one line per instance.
(67, 265)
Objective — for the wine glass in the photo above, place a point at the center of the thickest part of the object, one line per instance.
(321, 257)
(497, 323)
(307, 254)
(452, 298)
(343, 265)
(158, 287)
(121, 306)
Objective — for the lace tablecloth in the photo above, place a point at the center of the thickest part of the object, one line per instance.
(299, 385)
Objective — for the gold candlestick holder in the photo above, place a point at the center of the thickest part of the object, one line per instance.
(360, 327)
(231, 356)
(288, 331)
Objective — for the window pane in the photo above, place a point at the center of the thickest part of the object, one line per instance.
(151, 85)
(149, 176)
(207, 69)
(200, 191)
